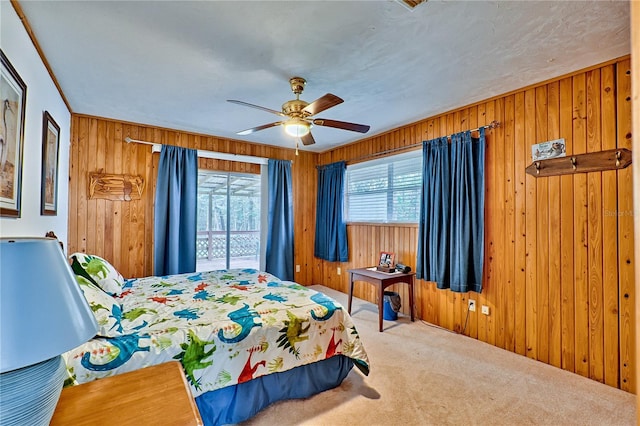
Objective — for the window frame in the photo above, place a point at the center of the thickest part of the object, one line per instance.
(409, 153)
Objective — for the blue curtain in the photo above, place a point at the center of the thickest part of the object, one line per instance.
(331, 229)
(451, 227)
(433, 226)
(175, 211)
(279, 256)
(467, 212)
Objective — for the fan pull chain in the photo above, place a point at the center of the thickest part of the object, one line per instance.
(296, 147)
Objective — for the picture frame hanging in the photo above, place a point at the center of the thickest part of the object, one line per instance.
(13, 97)
(50, 149)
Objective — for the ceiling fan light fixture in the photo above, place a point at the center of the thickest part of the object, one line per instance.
(298, 115)
(297, 128)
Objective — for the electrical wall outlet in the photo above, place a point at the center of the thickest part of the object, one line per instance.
(339, 270)
(297, 268)
(472, 305)
(485, 309)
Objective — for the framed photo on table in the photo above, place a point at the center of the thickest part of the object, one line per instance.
(387, 259)
(13, 97)
(49, 182)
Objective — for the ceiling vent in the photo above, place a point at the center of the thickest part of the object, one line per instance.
(411, 4)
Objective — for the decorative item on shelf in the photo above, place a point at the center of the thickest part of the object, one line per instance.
(35, 274)
(115, 187)
(550, 149)
(611, 159)
(386, 263)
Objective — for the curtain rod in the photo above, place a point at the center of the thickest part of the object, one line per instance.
(491, 125)
(156, 147)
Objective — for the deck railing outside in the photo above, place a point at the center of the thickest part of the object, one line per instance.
(212, 245)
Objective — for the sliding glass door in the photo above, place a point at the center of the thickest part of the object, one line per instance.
(228, 220)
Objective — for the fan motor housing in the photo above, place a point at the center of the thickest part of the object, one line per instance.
(293, 108)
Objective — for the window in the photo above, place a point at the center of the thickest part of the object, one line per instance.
(228, 220)
(385, 190)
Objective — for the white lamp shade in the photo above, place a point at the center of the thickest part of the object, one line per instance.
(296, 127)
(43, 312)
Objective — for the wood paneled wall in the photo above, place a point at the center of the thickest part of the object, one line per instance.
(559, 273)
(559, 250)
(122, 231)
(635, 84)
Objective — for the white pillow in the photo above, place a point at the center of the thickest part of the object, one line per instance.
(99, 271)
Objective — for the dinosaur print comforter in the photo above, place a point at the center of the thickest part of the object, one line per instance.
(225, 327)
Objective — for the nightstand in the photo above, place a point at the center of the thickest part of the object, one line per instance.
(153, 395)
(382, 280)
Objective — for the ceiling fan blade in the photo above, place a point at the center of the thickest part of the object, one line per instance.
(255, 129)
(325, 102)
(273, 111)
(308, 139)
(361, 128)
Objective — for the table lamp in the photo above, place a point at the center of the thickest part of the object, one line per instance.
(43, 314)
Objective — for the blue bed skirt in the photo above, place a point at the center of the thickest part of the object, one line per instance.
(234, 404)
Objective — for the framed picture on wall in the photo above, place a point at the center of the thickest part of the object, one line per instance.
(49, 182)
(13, 96)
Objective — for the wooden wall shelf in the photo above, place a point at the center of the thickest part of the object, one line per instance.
(611, 159)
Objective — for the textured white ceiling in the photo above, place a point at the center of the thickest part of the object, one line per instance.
(175, 63)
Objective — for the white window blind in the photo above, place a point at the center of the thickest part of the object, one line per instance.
(385, 190)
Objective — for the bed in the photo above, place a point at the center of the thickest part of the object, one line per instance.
(245, 339)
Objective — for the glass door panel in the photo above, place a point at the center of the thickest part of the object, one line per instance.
(228, 220)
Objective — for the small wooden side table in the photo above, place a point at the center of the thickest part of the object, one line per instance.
(156, 395)
(382, 280)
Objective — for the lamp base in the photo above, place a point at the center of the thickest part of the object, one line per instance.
(29, 395)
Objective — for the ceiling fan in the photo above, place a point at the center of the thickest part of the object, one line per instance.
(299, 114)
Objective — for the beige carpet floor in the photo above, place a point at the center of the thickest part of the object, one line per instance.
(424, 375)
